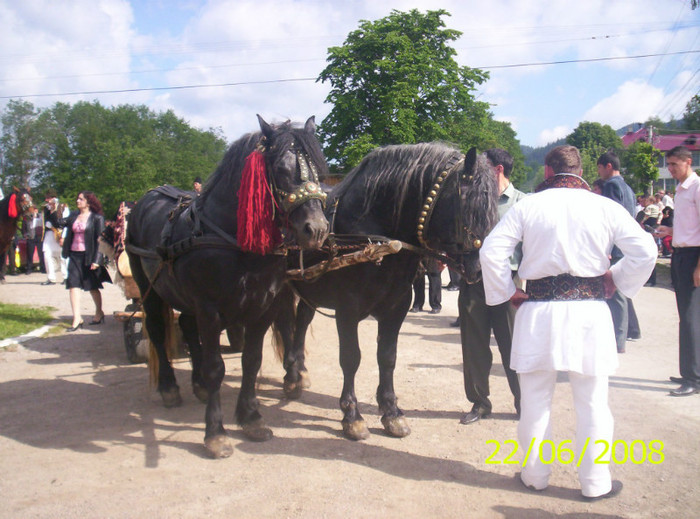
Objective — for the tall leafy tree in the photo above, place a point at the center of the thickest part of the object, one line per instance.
(641, 161)
(395, 81)
(21, 138)
(691, 117)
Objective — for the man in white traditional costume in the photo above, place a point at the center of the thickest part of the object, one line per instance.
(564, 324)
(52, 241)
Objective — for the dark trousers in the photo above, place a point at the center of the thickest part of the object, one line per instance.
(476, 320)
(434, 290)
(683, 263)
(32, 245)
(633, 330)
(619, 309)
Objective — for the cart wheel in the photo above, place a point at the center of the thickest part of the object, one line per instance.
(134, 341)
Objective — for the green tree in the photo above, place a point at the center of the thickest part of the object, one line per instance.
(395, 81)
(592, 140)
(691, 116)
(21, 138)
(641, 161)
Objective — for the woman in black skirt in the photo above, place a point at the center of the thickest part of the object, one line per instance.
(85, 262)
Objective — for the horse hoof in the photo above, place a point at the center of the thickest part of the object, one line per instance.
(200, 392)
(396, 426)
(171, 397)
(305, 379)
(356, 430)
(293, 390)
(219, 446)
(257, 431)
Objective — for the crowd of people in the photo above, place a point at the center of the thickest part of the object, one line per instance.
(64, 241)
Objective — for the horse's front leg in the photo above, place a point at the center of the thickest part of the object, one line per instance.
(216, 440)
(393, 418)
(354, 426)
(247, 414)
(297, 377)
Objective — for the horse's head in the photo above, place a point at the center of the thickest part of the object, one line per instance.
(465, 212)
(23, 201)
(295, 166)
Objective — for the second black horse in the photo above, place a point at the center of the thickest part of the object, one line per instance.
(429, 196)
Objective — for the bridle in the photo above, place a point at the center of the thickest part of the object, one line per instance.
(308, 189)
(466, 238)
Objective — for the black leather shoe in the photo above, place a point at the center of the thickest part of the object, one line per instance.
(435, 310)
(48, 283)
(677, 380)
(455, 324)
(415, 310)
(476, 414)
(685, 390)
(615, 490)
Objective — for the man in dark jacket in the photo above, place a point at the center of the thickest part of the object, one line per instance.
(615, 188)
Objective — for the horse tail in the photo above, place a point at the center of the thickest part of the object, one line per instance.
(171, 343)
(284, 325)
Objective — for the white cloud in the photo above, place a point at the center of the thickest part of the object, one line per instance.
(634, 101)
(552, 134)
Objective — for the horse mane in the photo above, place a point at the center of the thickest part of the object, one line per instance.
(396, 174)
(228, 173)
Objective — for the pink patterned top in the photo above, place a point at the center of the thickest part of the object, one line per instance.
(78, 244)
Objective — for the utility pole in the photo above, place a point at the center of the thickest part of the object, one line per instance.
(651, 141)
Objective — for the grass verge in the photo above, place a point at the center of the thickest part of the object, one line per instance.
(20, 319)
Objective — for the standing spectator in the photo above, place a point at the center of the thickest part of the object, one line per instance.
(563, 323)
(85, 270)
(53, 236)
(432, 268)
(197, 185)
(666, 199)
(616, 189)
(666, 241)
(685, 267)
(476, 319)
(33, 233)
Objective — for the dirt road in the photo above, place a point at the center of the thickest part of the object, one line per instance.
(83, 435)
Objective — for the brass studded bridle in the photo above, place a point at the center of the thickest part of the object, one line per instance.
(309, 189)
(466, 237)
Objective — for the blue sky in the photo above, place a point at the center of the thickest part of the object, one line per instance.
(173, 54)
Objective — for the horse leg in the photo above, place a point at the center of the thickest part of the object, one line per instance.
(297, 377)
(154, 309)
(188, 325)
(354, 426)
(393, 418)
(236, 337)
(247, 414)
(216, 440)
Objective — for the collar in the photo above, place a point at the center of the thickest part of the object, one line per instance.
(692, 178)
(509, 191)
(563, 180)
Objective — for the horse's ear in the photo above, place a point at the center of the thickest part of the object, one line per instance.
(470, 161)
(265, 128)
(310, 126)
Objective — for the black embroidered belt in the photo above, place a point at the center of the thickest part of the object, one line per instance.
(565, 287)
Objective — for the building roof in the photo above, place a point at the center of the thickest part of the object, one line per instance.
(664, 142)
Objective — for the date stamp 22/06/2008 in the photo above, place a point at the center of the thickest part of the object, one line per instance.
(620, 451)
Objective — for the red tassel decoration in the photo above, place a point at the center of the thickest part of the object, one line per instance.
(256, 227)
(12, 208)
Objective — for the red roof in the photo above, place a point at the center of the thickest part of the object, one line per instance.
(664, 142)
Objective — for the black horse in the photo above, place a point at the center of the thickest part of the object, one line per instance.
(204, 265)
(429, 196)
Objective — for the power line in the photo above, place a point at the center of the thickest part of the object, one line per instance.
(243, 83)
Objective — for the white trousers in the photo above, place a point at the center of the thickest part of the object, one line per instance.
(593, 421)
(52, 257)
